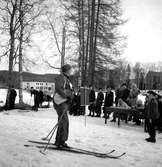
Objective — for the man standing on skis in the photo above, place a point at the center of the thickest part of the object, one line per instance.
(62, 99)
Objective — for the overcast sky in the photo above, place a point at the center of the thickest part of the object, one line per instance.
(144, 30)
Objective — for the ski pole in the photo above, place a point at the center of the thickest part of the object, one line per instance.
(46, 138)
(43, 152)
(53, 131)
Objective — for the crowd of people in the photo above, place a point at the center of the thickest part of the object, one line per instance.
(99, 100)
(124, 97)
(128, 99)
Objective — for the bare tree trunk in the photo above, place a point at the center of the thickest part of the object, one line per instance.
(91, 47)
(63, 45)
(12, 44)
(95, 42)
(12, 48)
(11, 53)
(82, 43)
(20, 52)
(87, 42)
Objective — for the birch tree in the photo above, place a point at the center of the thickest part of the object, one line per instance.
(18, 18)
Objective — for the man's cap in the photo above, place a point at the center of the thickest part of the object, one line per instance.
(65, 68)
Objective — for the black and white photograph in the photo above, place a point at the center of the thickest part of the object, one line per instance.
(80, 83)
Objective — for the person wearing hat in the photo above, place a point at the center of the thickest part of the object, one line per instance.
(99, 100)
(159, 120)
(92, 98)
(62, 99)
(152, 114)
(109, 100)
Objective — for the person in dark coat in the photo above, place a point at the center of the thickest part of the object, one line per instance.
(40, 94)
(36, 98)
(124, 92)
(73, 108)
(78, 103)
(152, 114)
(109, 99)
(92, 98)
(99, 100)
(117, 95)
(12, 97)
(159, 121)
(62, 100)
(145, 110)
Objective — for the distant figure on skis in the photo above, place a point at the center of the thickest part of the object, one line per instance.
(62, 99)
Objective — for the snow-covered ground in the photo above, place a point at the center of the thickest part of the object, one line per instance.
(17, 127)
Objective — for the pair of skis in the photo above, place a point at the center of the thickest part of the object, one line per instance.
(51, 146)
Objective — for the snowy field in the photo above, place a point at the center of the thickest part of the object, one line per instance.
(17, 127)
